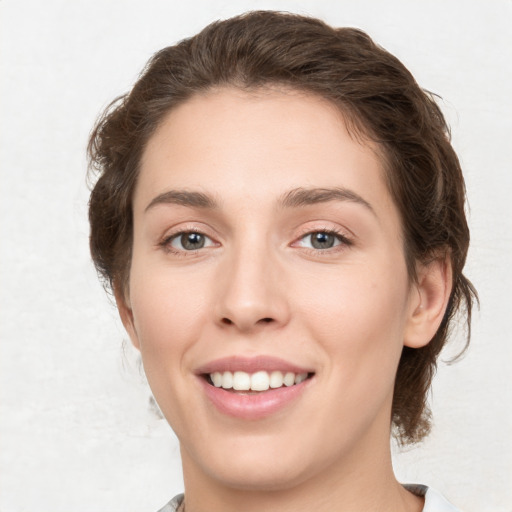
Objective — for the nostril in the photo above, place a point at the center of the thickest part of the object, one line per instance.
(266, 320)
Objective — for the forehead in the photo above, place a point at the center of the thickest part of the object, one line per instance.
(237, 144)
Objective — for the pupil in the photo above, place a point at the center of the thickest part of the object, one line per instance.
(192, 241)
(322, 240)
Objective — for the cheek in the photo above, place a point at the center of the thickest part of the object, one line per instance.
(168, 309)
(358, 319)
(169, 315)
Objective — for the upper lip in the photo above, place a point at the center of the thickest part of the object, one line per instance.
(251, 365)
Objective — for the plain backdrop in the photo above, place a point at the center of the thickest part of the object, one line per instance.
(78, 429)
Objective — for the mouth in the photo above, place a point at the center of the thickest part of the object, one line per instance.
(254, 388)
(251, 383)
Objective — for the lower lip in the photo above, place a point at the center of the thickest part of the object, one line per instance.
(253, 406)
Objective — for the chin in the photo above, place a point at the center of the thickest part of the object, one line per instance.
(267, 475)
(258, 464)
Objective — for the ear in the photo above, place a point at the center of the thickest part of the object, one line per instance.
(429, 299)
(125, 312)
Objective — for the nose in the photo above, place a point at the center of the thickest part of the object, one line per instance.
(252, 292)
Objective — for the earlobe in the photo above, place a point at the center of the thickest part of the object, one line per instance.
(429, 301)
(126, 314)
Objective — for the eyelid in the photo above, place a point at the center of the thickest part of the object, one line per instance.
(178, 236)
(321, 227)
(178, 231)
(344, 239)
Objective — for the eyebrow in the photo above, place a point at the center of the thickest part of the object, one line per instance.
(310, 196)
(184, 198)
(294, 198)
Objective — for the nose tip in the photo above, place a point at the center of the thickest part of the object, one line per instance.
(252, 296)
(248, 317)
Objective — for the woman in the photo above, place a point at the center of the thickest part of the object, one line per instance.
(280, 216)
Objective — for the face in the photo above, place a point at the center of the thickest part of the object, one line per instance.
(268, 290)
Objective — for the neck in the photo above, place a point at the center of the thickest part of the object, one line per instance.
(362, 481)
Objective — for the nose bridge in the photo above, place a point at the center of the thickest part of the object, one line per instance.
(252, 294)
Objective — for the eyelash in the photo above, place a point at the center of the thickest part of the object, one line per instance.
(166, 242)
(344, 242)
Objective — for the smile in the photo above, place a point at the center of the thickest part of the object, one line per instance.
(259, 381)
(253, 388)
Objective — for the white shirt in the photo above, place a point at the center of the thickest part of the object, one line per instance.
(434, 502)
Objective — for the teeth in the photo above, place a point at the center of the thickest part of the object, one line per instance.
(300, 377)
(227, 380)
(241, 381)
(259, 381)
(216, 379)
(276, 379)
(289, 379)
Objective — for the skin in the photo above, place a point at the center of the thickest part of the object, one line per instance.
(258, 287)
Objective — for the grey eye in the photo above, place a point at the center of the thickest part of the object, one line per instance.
(322, 240)
(189, 241)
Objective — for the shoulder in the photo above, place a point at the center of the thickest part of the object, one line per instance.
(434, 501)
(173, 505)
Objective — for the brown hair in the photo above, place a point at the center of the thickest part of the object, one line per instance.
(379, 99)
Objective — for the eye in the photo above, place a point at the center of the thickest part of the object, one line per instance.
(321, 240)
(189, 241)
